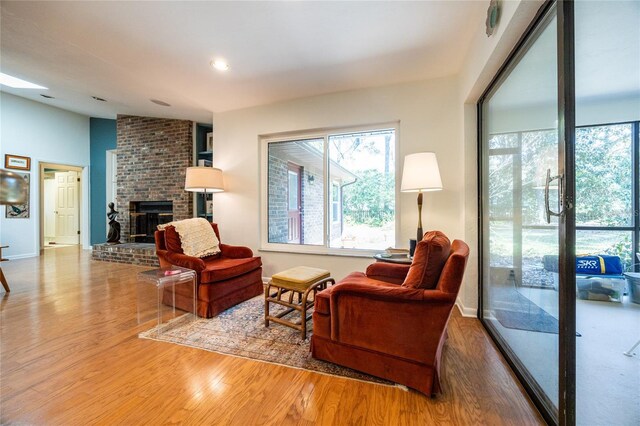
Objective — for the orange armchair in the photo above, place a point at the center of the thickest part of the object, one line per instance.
(223, 280)
(378, 324)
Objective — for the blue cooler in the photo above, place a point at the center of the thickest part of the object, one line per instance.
(602, 264)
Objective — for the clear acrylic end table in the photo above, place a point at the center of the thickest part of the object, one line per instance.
(157, 292)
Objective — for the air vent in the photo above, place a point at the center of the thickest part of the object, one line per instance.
(99, 99)
(46, 96)
(157, 102)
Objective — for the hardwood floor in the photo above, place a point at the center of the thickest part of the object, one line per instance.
(69, 354)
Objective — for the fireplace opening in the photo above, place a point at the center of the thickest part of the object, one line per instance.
(144, 218)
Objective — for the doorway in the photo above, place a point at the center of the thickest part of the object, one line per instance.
(60, 212)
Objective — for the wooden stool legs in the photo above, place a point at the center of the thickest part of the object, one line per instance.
(303, 304)
(5, 284)
(4, 281)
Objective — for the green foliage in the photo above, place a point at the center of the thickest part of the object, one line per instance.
(370, 199)
(603, 175)
(516, 175)
(623, 249)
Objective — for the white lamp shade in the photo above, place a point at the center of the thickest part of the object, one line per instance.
(421, 173)
(203, 179)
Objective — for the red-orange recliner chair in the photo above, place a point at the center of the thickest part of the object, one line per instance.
(391, 322)
(224, 280)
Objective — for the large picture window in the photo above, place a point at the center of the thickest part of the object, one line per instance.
(333, 191)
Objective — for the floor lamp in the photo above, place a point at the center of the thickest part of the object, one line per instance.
(420, 174)
(204, 179)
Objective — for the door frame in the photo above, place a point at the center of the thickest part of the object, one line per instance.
(298, 169)
(111, 190)
(566, 229)
(45, 165)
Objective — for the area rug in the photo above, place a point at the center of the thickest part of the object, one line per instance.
(526, 315)
(240, 331)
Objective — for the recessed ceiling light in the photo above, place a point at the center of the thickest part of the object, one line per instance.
(46, 96)
(17, 83)
(220, 64)
(99, 99)
(157, 102)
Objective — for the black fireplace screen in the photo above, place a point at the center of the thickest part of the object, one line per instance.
(145, 216)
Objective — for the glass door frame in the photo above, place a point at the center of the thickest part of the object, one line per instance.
(566, 166)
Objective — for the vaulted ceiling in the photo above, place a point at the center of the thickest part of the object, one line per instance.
(131, 52)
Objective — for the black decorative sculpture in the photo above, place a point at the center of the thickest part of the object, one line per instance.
(113, 236)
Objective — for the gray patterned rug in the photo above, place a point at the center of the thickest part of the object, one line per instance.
(240, 331)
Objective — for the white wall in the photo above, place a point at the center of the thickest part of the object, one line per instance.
(429, 118)
(483, 60)
(45, 134)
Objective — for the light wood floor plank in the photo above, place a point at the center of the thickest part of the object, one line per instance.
(69, 354)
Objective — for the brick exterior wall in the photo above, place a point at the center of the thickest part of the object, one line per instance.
(312, 206)
(278, 209)
(153, 155)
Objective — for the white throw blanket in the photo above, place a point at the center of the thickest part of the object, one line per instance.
(196, 237)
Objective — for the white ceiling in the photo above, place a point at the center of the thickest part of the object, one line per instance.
(131, 52)
(607, 59)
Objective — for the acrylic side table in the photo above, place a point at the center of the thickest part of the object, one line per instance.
(157, 293)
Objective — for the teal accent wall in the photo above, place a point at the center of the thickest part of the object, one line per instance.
(102, 137)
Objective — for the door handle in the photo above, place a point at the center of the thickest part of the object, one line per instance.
(548, 212)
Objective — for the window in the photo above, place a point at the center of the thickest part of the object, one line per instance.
(330, 191)
(606, 218)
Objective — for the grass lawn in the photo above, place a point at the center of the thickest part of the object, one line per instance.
(538, 242)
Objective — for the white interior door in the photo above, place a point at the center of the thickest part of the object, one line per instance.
(67, 208)
(50, 192)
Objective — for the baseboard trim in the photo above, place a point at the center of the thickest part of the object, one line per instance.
(466, 311)
(22, 256)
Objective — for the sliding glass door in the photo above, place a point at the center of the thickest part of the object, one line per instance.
(607, 170)
(559, 183)
(526, 123)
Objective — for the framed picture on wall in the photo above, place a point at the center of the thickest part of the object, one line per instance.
(210, 141)
(20, 211)
(17, 162)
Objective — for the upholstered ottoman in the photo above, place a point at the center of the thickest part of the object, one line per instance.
(300, 281)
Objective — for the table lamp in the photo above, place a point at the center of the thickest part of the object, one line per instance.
(420, 174)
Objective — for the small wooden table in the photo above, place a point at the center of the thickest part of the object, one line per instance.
(300, 281)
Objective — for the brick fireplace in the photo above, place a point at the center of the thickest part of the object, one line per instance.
(153, 154)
